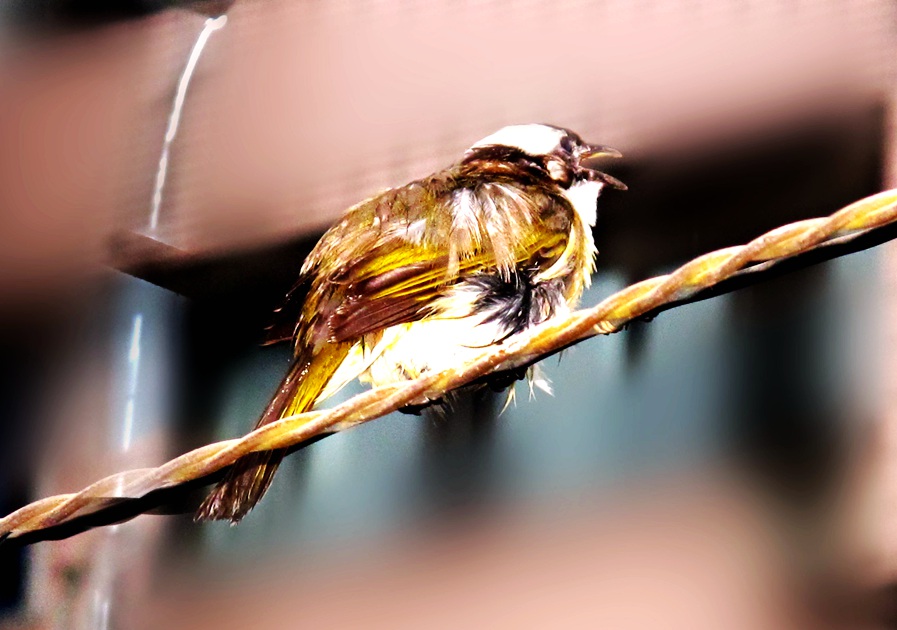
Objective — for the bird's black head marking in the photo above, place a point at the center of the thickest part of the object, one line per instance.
(561, 153)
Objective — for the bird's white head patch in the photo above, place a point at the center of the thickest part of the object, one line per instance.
(533, 139)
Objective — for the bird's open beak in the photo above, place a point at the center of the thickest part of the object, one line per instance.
(593, 151)
(610, 180)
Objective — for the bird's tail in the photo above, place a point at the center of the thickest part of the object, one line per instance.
(248, 479)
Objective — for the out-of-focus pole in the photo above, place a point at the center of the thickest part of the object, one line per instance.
(142, 371)
(136, 374)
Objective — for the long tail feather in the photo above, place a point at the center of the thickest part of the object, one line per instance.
(249, 478)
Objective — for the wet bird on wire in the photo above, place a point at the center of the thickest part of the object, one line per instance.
(423, 277)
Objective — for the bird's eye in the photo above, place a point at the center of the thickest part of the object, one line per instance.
(567, 144)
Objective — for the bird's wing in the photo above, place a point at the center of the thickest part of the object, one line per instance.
(393, 254)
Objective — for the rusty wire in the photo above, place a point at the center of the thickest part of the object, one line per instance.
(608, 316)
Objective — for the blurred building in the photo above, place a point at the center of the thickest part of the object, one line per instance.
(721, 466)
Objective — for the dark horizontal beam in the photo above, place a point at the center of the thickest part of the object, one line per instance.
(74, 14)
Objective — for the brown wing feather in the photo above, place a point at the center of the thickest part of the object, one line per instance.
(358, 320)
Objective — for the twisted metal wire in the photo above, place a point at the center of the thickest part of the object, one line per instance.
(608, 316)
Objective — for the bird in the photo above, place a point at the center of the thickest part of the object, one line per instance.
(423, 277)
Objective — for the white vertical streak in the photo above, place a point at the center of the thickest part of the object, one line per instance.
(211, 25)
(134, 361)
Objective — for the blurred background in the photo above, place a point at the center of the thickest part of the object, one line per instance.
(731, 464)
